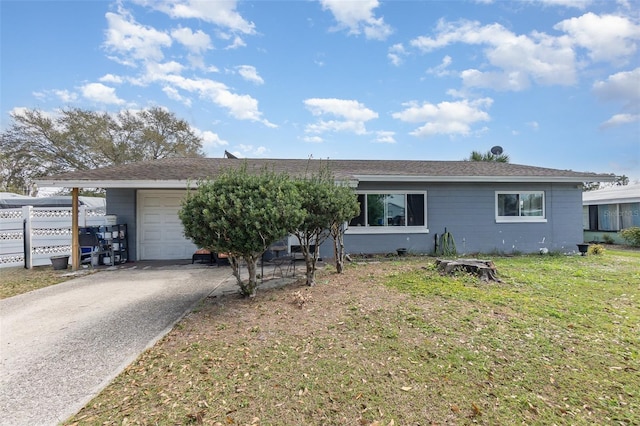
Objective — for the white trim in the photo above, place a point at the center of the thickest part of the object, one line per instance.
(610, 201)
(182, 183)
(368, 230)
(521, 219)
(136, 184)
(475, 179)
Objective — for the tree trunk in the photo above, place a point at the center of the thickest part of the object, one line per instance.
(252, 267)
(339, 245)
(246, 288)
(484, 269)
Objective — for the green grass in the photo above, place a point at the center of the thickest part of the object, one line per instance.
(396, 343)
(560, 337)
(18, 280)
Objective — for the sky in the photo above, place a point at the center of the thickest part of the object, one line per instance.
(555, 83)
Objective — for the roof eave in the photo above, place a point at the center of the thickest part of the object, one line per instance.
(491, 179)
(611, 201)
(134, 184)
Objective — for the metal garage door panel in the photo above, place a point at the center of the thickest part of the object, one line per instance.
(161, 231)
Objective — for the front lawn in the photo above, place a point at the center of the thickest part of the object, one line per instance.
(17, 280)
(394, 342)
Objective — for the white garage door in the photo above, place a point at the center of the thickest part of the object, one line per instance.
(160, 230)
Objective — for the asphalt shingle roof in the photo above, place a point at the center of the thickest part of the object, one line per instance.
(184, 169)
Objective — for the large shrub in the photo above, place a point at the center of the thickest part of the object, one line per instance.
(631, 235)
(242, 214)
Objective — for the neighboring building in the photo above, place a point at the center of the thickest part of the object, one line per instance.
(609, 210)
(486, 206)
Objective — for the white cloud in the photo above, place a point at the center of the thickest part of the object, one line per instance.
(579, 4)
(622, 87)
(349, 109)
(110, 78)
(173, 93)
(606, 37)
(396, 54)
(98, 92)
(236, 43)
(517, 59)
(210, 139)
(241, 107)
(66, 96)
(351, 116)
(620, 119)
(220, 12)
(313, 139)
(249, 73)
(157, 70)
(132, 42)
(442, 69)
(252, 150)
(384, 136)
(196, 42)
(446, 118)
(358, 17)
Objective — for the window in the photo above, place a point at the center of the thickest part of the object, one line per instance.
(514, 206)
(390, 212)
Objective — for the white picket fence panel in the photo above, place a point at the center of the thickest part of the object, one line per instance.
(30, 236)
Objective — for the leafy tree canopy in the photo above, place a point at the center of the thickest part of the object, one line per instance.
(327, 207)
(37, 144)
(242, 214)
(487, 156)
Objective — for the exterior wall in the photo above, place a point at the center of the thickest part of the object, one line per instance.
(468, 212)
(122, 203)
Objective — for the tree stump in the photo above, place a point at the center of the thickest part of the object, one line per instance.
(484, 269)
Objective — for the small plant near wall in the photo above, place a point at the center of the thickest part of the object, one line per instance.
(608, 239)
(631, 235)
(596, 249)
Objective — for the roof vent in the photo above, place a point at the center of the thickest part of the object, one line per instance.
(496, 150)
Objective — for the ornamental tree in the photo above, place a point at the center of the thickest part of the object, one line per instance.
(327, 207)
(346, 208)
(242, 214)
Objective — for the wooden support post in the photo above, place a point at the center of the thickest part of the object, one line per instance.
(75, 247)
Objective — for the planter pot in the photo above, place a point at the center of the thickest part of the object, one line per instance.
(59, 263)
(402, 251)
(583, 248)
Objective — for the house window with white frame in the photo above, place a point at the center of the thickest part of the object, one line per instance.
(520, 206)
(390, 212)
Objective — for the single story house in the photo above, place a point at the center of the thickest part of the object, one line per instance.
(486, 206)
(608, 210)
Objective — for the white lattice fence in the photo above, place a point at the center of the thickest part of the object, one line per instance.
(11, 238)
(31, 235)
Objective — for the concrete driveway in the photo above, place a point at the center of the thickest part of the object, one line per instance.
(61, 345)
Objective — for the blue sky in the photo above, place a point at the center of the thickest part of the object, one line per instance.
(556, 83)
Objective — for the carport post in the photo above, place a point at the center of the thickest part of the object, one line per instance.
(75, 249)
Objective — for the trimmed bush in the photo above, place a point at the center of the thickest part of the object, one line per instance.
(631, 235)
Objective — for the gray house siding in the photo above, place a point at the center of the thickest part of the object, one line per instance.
(122, 203)
(468, 212)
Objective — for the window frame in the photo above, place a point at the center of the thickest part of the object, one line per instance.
(520, 218)
(400, 229)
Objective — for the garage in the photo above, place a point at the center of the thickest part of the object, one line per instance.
(160, 231)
